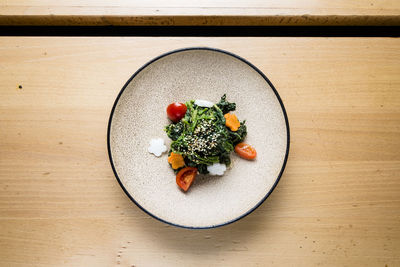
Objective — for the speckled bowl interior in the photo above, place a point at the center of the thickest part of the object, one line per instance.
(139, 115)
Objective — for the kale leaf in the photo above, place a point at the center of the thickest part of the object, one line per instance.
(174, 130)
(226, 106)
(238, 136)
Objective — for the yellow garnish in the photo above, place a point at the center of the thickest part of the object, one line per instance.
(176, 160)
(232, 122)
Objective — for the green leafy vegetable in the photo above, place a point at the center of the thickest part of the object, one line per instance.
(201, 136)
(226, 106)
(239, 135)
(174, 130)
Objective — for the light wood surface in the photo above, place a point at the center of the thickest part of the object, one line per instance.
(208, 12)
(337, 204)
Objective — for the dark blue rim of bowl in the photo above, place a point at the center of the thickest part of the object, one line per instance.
(214, 50)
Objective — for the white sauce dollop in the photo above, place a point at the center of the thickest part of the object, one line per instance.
(157, 146)
(204, 103)
(217, 169)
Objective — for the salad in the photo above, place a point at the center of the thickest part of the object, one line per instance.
(203, 136)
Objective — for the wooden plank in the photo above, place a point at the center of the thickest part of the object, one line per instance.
(338, 202)
(195, 13)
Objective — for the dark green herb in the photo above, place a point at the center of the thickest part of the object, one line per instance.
(226, 106)
(239, 135)
(174, 130)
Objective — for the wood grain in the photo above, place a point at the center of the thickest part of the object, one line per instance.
(195, 13)
(337, 204)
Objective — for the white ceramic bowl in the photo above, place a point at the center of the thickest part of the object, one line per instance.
(139, 114)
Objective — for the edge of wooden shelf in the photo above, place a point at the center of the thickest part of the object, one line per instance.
(203, 20)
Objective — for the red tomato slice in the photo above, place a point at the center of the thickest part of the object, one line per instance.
(176, 111)
(185, 177)
(245, 151)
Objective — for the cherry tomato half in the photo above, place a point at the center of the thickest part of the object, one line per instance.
(185, 177)
(245, 151)
(176, 111)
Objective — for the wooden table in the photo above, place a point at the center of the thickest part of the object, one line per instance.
(206, 12)
(337, 204)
